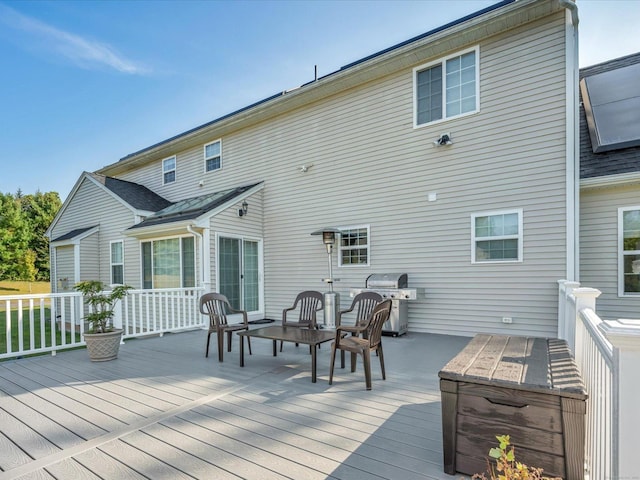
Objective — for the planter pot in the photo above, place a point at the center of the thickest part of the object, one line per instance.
(103, 346)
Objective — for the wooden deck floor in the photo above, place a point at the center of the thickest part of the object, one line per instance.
(163, 411)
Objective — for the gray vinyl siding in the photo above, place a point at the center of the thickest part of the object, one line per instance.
(599, 248)
(371, 167)
(90, 257)
(90, 206)
(64, 257)
(228, 223)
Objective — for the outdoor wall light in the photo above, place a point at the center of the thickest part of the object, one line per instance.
(245, 208)
(443, 140)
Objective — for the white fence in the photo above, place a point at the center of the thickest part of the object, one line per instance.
(608, 355)
(31, 324)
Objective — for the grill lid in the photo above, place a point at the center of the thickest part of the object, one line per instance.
(387, 280)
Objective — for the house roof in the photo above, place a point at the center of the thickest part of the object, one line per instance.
(192, 208)
(138, 196)
(73, 234)
(616, 161)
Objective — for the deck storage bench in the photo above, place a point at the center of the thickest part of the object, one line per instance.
(528, 388)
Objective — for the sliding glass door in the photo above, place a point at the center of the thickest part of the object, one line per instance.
(239, 272)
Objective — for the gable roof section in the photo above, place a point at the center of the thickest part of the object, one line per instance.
(136, 195)
(468, 30)
(77, 234)
(621, 161)
(197, 207)
(137, 198)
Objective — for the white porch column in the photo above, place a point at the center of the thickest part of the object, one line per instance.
(584, 298)
(624, 335)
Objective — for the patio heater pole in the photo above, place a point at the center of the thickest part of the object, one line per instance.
(331, 298)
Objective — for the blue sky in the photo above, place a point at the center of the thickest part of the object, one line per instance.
(85, 83)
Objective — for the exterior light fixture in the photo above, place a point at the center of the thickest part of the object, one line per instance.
(245, 208)
(443, 140)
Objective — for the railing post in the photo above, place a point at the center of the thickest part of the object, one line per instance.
(117, 317)
(624, 335)
(584, 298)
(565, 319)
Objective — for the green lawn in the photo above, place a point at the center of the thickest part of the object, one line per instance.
(23, 288)
(25, 329)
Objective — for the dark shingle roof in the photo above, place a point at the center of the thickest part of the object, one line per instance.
(613, 162)
(73, 234)
(138, 196)
(193, 207)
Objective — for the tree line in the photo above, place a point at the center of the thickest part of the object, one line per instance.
(24, 249)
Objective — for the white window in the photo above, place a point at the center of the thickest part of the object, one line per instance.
(169, 263)
(213, 156)
(169, 170)
(496, 237)
(117, 263)
(629, 257)
(446, 88)
(353, 249)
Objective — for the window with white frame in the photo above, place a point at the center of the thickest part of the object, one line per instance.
(169, 170)
(629, 241)
(169, 263)
(117, 263)
(446, 88)
(353, 249)
(496, 237)
(213, 156)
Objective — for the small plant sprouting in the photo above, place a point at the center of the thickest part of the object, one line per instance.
(506, 467)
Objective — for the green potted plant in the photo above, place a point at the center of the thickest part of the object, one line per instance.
(102, 339)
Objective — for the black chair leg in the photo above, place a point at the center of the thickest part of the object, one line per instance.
(206, 354)
(366, 360)
(333, 361)
(220, 346)
(381, 357)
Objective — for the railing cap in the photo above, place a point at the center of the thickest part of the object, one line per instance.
(586, 292)
(622, 333)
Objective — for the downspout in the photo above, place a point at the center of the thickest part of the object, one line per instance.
(201, 243)
(572, 70)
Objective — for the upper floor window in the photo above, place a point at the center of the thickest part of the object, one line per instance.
(629, 258)
(446, 88)
(496, 237)
(354, 246)
(169, 170)
(213, 156)
(117, 263)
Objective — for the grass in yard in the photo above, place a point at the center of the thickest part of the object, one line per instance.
(37, 334)
(23, 288)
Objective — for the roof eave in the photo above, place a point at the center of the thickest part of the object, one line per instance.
(619, 180)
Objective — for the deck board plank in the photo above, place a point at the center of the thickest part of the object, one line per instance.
(70, 469)
(69, 419)
(163, 410)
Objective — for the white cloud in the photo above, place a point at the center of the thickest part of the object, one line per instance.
(83, 52)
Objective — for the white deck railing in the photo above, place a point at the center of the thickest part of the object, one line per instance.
(33, 324)
(608, 355)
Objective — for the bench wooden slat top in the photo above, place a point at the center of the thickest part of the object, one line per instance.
(542, 365)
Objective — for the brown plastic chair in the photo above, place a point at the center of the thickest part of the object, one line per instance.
(308, 303)
(217, 307)
(363, 304)
(371, 340)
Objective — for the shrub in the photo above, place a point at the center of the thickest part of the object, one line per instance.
(507, 467)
